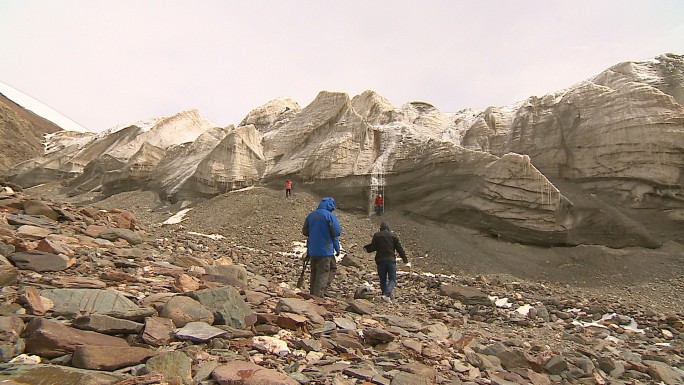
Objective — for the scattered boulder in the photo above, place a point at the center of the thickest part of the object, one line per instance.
(52, 339)
(39, 261)
(247, 373)
(361, 306)
(36, 207)
(199, 332)
(376, 336)
(158, 331)
(175, 367)
(228, 306)
(109, 357)
(113, 234)
(8, 275)
(89, 300)
(182, 310)
(299, 306)
(466, 295)
(33, 232)
(56, 375)
(106, 324)
(231, 272)
(23, 219)
(664, 373)
(404, 378)
(11, 343)
(556, 365)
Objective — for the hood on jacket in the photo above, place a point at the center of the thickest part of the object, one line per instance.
(327, 203)
(384, 226)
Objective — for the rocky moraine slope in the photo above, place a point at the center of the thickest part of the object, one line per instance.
(98, 295)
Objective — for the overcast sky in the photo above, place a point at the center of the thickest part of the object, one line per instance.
(103, 63)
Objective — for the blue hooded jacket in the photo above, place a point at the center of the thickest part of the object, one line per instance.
(323, 230)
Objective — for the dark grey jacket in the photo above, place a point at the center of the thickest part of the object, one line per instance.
(385, 243)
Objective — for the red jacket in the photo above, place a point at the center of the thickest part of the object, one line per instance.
(379, 201)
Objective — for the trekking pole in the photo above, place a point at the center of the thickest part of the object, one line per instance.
(300, 281)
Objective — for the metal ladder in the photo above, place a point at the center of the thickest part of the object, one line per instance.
(377, 186)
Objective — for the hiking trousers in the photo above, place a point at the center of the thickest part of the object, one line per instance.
(387, 271)
(322, 272)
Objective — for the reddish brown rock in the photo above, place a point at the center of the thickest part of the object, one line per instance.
(90, 212)
(181, 310)
(94, 230)
(37, 305)
(247, 373)
(376, 336)
(54, 247)
(122, 219)
(52, 339)
(33, 232)
(291, 321)
(348, 341)
(185, 283)
(158, 331)
(118, 276)
(5, 232)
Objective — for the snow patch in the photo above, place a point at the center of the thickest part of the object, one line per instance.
(215, 237)
(144, 124)
(176, 218)
(606, 317)
(40, 109)
(433, 275)
(25, 359)
(524, 310)
(272, 345)
(242, 189)
(502, 303)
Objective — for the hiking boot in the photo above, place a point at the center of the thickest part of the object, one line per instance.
(387, 299)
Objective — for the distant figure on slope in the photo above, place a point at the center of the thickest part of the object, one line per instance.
(385, 243)
(288, 188)
(379, 205)
(322, 230)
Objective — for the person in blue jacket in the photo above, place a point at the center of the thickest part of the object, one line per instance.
(322, 230)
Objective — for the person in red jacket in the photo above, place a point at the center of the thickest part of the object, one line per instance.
(379, 204)
(288, 188)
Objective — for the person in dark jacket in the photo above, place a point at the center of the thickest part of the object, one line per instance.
(322, 230)
(385, 243)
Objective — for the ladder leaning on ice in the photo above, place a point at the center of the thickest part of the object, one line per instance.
(377, 180)
(377, 186)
